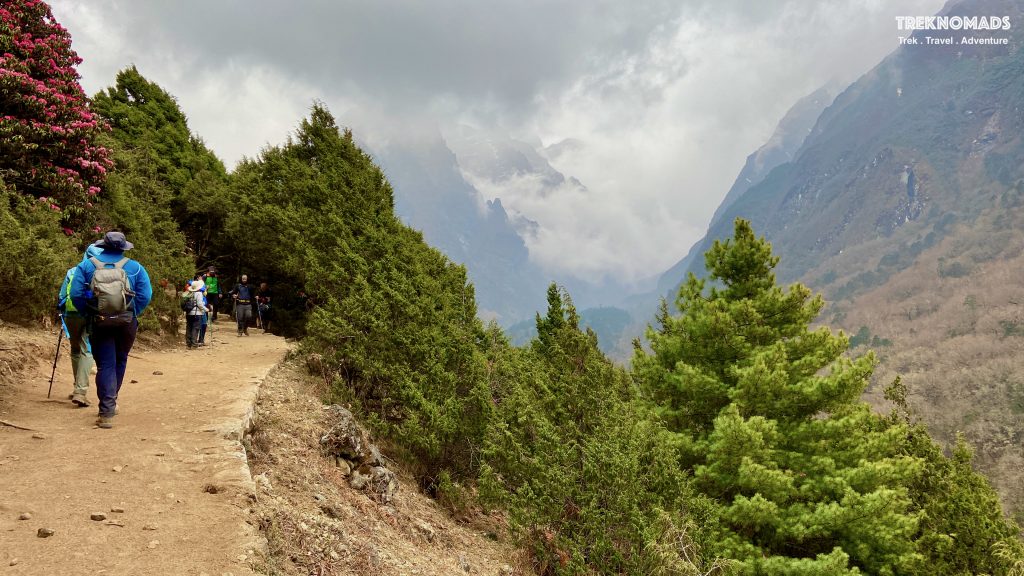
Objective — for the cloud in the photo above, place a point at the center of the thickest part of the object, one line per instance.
(661, 99)
(407, 53)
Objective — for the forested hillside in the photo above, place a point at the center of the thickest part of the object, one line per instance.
(737, 444)
(903, 207)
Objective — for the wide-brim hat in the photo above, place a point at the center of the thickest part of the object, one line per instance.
(114, 240)
(196, 285)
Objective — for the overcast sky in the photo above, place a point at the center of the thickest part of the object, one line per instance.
(666, 97)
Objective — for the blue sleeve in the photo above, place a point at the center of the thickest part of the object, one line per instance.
(62, 295)
(79, 285)
(143, 290)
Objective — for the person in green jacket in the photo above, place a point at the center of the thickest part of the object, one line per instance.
(212, 292)
(77, 324)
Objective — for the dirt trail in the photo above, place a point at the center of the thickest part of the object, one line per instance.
(172, 462)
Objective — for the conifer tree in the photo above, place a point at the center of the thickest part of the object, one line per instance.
(592, 485)
(46, 127)
(806, 479)
(395, 320)
(149, 126)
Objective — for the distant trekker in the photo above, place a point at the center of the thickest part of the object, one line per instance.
(266, 311)
(212, 292)
(244, 296)
(194, 314)
(206, 317)
(114, 289)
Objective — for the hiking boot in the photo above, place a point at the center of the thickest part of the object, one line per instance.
(80, 400)
(106, 422)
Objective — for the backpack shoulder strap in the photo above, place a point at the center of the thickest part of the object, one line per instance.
(97, 262)
(120, 263)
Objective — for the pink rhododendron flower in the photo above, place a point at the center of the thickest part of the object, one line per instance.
(46, 125)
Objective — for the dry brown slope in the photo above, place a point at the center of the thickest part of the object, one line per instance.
(955, 319)
(316, 524)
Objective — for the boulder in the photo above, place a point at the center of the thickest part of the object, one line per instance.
(315, 364)
(344, 466)
(352, 448)
(347, 439)
(378, 482)
(359, 479)
(383, 483)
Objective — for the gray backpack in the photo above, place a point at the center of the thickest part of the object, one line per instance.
(113, 293)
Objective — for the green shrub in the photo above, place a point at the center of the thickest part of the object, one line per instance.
(1011, 328)
(954, 269)
(36, 256)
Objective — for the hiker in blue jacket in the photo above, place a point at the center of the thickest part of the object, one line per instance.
(113, 332)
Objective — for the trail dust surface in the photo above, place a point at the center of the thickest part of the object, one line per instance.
(168, 486)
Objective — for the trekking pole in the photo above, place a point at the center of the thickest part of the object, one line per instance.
(60, 338)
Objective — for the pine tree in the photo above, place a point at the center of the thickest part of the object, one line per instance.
(592, 485)
(46, 127)
(153, 136)
(806, 479)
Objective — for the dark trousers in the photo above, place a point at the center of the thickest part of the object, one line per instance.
(213, 300)
(243, 314)
(110, 348)
(193, 323)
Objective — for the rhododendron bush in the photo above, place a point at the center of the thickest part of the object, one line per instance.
(46, 127)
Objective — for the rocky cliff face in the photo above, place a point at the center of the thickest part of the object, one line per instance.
(431, 195)
(785, 141)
